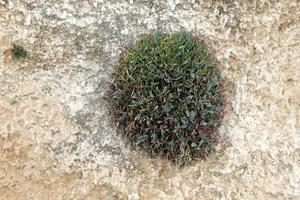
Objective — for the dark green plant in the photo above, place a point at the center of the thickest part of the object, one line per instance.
(166, 96)
(18, 52)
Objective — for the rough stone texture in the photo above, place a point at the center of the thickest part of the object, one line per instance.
(56, 141)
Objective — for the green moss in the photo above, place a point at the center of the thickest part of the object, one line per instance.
(166, 96)
(18, 52)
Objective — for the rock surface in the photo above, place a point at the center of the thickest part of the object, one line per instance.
(56, 141)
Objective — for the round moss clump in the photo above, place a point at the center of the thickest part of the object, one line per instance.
(166, 96)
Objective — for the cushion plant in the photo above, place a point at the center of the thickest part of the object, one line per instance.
(166, 96)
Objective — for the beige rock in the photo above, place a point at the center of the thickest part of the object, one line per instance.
(56, 141)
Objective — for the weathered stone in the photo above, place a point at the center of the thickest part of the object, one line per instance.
(56, 141)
